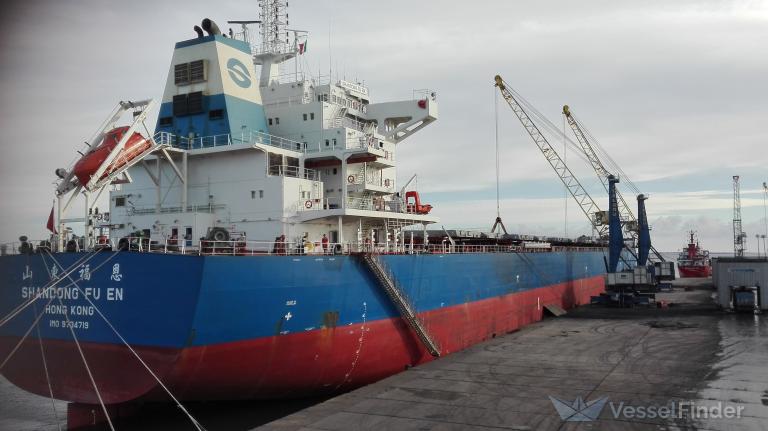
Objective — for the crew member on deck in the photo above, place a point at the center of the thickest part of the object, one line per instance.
(324, 241)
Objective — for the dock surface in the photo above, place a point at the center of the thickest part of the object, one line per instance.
(638, 358)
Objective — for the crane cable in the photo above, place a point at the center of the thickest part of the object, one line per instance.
(496, 119)
(612, 164)
(543, 122)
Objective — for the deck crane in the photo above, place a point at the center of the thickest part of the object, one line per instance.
(633, 228)
(598, 218)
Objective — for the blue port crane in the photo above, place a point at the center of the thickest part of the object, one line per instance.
(596, 217)
(608, 225)
(635, 228)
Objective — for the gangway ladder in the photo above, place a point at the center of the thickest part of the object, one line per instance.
(401, 302)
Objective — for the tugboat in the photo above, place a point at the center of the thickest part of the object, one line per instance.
(693, 261)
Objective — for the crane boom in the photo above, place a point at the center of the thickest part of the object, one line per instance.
(579, 193)
(630, 222)
(625, 213)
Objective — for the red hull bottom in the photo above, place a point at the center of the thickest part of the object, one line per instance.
(309, 363)
(341, 358)
(695, 271)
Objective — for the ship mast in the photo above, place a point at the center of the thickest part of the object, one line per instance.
(275, 46)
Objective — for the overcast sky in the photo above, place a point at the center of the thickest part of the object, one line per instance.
(674, 91)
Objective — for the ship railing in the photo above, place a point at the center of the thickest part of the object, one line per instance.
(424, 94)
(348, 122)
(294, 172)
(29, 247)
(152, 209)
(443, 248)
(374, 204)
(250, 137)
(289, 101)
(241, 247)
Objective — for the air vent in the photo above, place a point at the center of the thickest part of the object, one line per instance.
(189, 73)
(215, 114)
(180, 105)
(195, 102)
(181, 74)
(197, 71)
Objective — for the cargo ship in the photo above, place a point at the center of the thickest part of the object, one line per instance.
(259, 245)
(693, 261)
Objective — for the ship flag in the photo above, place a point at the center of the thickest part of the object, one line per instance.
(303, 47)
(50, 225)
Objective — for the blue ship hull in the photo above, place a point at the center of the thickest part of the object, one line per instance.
(227, 327)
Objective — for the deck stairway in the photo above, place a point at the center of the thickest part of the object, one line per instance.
(397, 296)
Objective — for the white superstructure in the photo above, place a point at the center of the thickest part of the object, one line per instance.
(261, 155)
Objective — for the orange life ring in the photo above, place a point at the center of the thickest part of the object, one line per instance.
(308, 204)
(351, 179)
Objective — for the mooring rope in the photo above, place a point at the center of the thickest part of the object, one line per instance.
(87, 367)
(47, 375)
(194, 421)
(26, 334)
(74, 337)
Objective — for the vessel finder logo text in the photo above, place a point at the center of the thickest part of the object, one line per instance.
(579, 411)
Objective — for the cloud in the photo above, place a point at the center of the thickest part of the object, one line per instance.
(671, 89)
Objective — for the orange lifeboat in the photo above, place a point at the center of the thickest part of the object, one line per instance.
(92, 161)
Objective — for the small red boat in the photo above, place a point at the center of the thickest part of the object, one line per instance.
(693, 261)
(92, 161)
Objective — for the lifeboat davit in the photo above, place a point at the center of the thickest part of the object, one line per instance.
(92, 161)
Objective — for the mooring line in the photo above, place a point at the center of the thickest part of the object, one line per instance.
(47, 375)
(194, 421)
(26, 334)
(87, 368)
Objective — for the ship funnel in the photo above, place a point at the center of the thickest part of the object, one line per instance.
(212, 88)
(211, 27)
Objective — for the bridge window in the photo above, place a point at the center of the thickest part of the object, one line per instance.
(311, 115)
(305, 117)
(270, 121)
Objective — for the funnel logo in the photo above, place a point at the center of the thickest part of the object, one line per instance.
(239, 73)
(579, 411)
